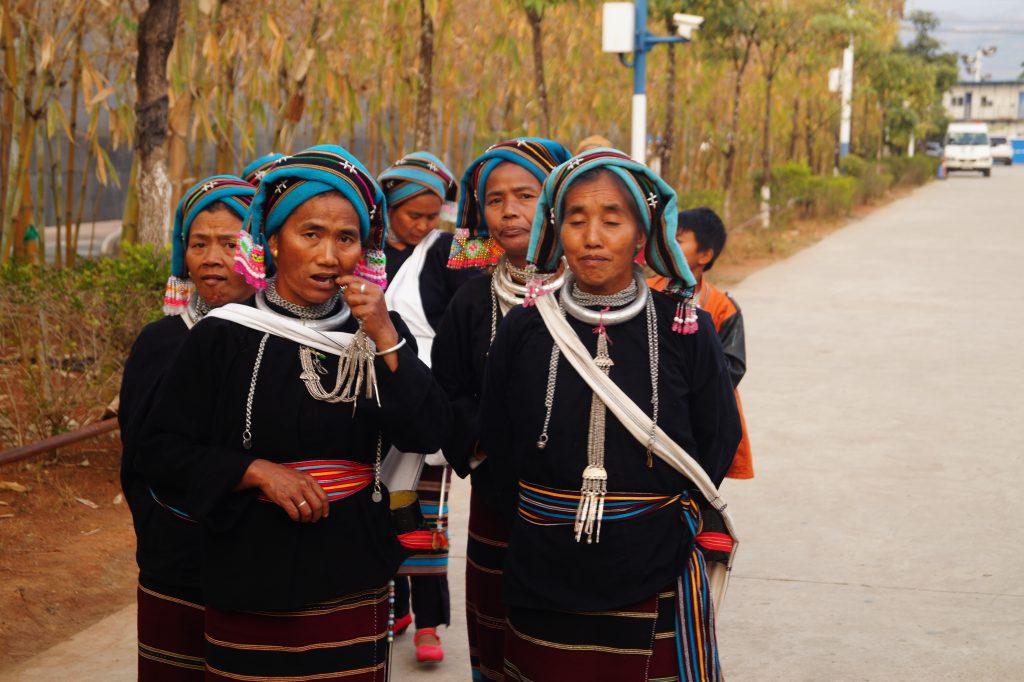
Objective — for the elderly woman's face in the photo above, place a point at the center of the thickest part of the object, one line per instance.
(318, 243)
(413, 220)
(600, 235)
(210, 257)
(510, 200)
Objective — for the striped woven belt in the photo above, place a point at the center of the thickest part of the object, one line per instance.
(553, 507)
(545, 506)
(338, 477)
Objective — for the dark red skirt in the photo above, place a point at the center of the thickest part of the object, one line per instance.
(343, 639)
(669, 636)
(485, 611)
(171, 641)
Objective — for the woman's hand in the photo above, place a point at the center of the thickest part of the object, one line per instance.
(366, 300)
(298, 494)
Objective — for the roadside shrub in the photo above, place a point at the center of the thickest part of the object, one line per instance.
(64, 336)
(853, 165)
(912, 171)
(830, 196)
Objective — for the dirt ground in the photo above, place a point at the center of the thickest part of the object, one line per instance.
(63, 564)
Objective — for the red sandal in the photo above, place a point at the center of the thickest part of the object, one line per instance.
(403, 623)
(428, 653)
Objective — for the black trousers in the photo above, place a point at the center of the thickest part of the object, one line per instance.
(431, 604)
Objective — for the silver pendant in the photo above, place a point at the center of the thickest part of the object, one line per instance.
(376, 496)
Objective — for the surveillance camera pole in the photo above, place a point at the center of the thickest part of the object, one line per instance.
(644, 42)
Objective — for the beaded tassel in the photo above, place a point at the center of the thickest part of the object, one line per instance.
(685, 319)
(534, 287)
(250, 261)
(391, 612)
(590, 511)
(372, 267)
(473, 252)
(177, 294)
(690, 318)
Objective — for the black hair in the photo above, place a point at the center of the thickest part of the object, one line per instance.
(707, 229)
(596, 174)
(215, 207)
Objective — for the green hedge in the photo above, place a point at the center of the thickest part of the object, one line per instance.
(67, 332)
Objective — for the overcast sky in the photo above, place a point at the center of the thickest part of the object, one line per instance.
(969, 24)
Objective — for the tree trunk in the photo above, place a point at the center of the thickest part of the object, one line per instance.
(7, 108)
(70, 244)
(669, 132)
(130, 217)
(157, 29)
(740, 66)
(809, 135)
(794, 131)
(766, 150)
(536, 18)
(424, 92)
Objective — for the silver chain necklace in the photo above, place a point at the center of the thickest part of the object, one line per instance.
(505, 288)
(594, 488)
(577, 309)
(616, 300)
(312, 312)
(323, 324)
(376, 495)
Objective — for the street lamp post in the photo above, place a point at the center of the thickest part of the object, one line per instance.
(623, 36)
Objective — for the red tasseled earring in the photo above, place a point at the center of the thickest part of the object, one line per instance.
(690, 317)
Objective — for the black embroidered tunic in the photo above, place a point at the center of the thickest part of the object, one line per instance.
(546, 568)
(255, 557)
(458, 358)
(167, 547)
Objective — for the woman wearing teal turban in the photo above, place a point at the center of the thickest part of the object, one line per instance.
(272, 426)
(602, 579)
(169, 598)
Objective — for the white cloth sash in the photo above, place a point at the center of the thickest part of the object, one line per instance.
(403, 296)
(334, 343)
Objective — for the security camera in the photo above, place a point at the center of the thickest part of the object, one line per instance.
(686, 24)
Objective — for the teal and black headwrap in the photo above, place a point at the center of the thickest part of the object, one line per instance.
(416, 174)
(298, 178)
(229, 190)
(257, 168)
(471, 246)
(655, 202)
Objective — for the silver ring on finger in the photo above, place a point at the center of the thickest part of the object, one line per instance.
(301, 504)
(362, 288)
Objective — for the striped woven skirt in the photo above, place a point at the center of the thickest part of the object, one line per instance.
(669, 636)
(343, 639)
(171, 641)
(485, 611)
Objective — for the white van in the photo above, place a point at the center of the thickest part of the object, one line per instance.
(967, 148)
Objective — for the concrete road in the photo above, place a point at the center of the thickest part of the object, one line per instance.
(881, 539)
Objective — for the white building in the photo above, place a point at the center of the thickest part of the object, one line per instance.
(998, 103)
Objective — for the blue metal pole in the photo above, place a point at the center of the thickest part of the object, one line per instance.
(639, 128)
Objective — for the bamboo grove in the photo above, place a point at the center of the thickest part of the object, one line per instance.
(385, 77)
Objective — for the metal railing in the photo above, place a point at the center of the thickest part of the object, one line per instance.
(58, 441)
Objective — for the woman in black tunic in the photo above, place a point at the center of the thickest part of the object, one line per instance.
(170, 604)
(499, 195)
(282, 471)
(602, 584)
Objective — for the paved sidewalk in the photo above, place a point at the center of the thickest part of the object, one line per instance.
(881, 539)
